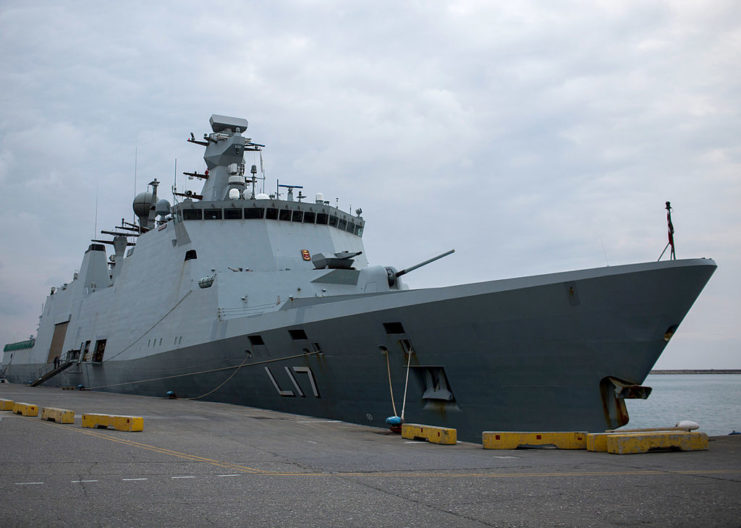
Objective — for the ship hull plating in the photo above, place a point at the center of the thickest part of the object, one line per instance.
(518, 354)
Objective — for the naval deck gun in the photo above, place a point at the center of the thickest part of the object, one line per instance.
(393, 275)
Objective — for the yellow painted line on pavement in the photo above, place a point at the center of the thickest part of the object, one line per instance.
(400, 474)
(534, 475)
(408, 474)
(171, 452)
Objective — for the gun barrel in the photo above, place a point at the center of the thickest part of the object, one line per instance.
(433, 259)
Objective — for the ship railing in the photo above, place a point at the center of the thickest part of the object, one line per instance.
(244, 311)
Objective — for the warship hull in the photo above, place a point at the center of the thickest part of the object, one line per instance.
(547, 352)
(234, 295)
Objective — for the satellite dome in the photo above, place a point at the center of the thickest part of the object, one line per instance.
(143, 202)
(162, 208)
(234, 194)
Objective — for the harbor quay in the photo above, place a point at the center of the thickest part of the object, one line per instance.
(196, 463)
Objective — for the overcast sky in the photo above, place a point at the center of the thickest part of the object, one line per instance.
(532, 137)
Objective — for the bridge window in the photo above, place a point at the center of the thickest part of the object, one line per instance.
(271, 213)
(233, 214)
(297, 216)
(322, 218)
(192, 214)
(309, 217)
(285, 215)
(350, 227)
(254, 213)
(333, 220)
(212, 214)
(342, 224)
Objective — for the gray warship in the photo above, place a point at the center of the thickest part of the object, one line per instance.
(237, 296)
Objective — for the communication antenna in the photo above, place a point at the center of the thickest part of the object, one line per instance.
(262, 171)
(290, 191)
(175, 183)
(136, 158)
(670, 227)
(253, 179)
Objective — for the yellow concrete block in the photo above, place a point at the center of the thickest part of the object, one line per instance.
(26, 409)
(93, 420)
(120, 423)
(597, 442)
(6, 405)
(625, 444)
(127, 423)
(431, 433)
(53, 414)
(513, 439)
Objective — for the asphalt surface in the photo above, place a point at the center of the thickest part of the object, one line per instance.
(210, 464)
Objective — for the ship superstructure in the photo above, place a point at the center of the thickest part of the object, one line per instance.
(235, 295)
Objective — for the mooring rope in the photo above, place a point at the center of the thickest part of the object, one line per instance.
(148, 380)
(223, 382)
(391, 387)
(406, 384)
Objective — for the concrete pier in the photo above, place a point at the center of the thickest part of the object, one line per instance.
(209, 464)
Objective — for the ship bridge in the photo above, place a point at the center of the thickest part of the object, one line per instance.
(233, 225)
(318, 213)
(266, 234)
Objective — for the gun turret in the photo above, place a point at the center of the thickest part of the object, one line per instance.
(393, 275)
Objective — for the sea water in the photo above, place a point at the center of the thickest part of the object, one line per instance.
(711, 400)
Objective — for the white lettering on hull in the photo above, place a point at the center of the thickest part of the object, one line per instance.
(290, 373)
